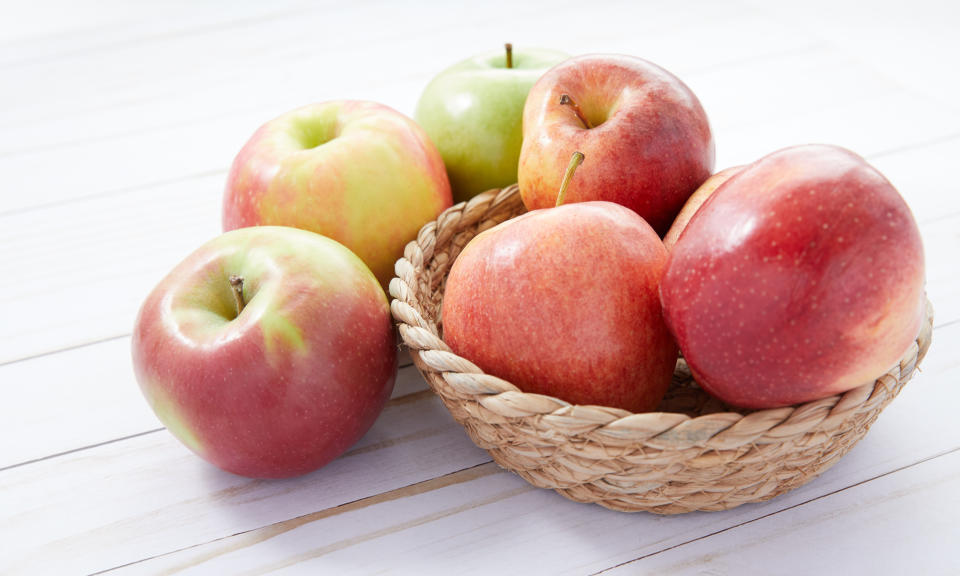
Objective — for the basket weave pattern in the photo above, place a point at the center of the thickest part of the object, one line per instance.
(693, 454)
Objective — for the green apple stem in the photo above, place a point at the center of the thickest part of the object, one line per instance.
(575, 161)
(236, 284)
(566, 100)
(509, 48)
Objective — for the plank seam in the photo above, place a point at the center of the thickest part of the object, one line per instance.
(774, 513)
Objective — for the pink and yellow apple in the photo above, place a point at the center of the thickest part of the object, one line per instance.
(801, 277)
(269, 351)
(564, 302)
(645, 133)
(358, 172)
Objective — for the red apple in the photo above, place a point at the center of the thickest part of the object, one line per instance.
(282, 375)
(646, 134)
(564, 302)
(801, 278)
(358, 172)
(694, 202)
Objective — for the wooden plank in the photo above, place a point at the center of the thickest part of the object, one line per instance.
(45, 30)
(922, 175)
(871, 124)
(941, 243)
(85, 268)
(901, 523)
(129, 500)
(161, 501)
(926, 40)
(59, 392)
(487, 521)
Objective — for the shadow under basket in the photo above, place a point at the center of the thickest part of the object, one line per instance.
(693, 454)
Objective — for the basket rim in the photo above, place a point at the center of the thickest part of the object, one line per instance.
(677, 430)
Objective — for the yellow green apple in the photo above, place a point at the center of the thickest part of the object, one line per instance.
(358, 172)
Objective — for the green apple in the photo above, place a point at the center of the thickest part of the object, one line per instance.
(473, 113)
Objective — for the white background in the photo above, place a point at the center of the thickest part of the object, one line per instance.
(118, 121)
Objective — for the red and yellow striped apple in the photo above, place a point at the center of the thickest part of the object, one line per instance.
(358, 172)
(268, 351)
(800, 278)
(644, 131)
(564, 302)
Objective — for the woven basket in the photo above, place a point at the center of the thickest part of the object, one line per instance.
(694, 454)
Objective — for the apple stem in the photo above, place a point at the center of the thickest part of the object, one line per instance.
(566, 100)
(509, 47)
(236, 284)
(575, 161)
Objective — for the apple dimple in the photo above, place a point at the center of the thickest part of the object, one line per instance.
(311, 128)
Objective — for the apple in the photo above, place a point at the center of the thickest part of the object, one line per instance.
(646, 134)
(472, 112)
(802, 277)
(268, 351)
(564, 302)
(358, 172)
(693, 204)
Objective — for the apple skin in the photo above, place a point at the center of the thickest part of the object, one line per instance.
(802, 277)
(473, 113)
(289, 384)
(649, 148)
(358, 172)
(694, 202)
(565, 302)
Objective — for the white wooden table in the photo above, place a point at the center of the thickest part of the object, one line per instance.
(118, 121)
